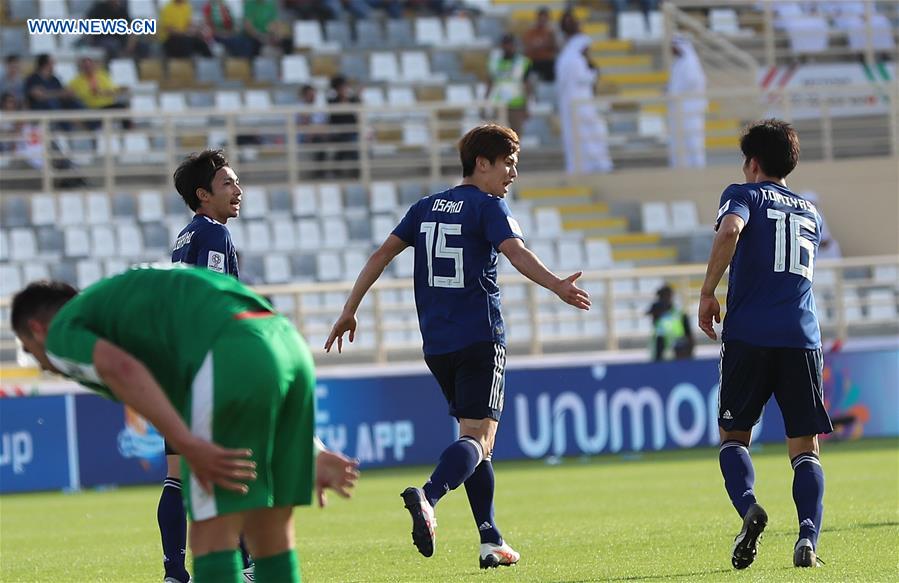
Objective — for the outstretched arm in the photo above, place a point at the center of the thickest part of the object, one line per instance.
(370, 273)
(132, 383)
(723, 248)
(529, 265)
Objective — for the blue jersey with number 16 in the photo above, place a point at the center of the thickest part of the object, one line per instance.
(456, 234)
(769, 298)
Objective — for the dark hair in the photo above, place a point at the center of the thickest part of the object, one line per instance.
(197, 171)
(14, 58)
(40, 300)
(338, 81)
(774, 144)
(491, 141)
(42, 59)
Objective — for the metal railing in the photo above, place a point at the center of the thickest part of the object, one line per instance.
(855, 297)
(275, 145)
(768, 43)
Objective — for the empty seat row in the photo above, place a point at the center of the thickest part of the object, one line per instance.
(669, 218)
(456, 31)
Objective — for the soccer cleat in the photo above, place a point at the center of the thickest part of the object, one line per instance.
(804, 554)
(424, 521)
(746, 543)
(173, 580)
(497, 555)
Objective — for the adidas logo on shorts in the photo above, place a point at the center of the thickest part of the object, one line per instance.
(727, 415)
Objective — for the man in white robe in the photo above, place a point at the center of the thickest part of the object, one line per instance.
(585, 134)
(687, 106)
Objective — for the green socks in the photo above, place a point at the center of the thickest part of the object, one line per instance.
(219, 567)
(282, 568)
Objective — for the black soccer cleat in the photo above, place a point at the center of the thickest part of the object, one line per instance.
(804, 554)
(746, 543)
(424, 521)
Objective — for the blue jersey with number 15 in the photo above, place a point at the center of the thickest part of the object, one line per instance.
(456, 234)
(769, 298)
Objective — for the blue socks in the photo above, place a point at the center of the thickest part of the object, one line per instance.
(173, 529)
(739, 475)
(479, 487)
(808, 494)
(457, 463)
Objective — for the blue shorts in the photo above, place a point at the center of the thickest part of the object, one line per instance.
(751, 374)
(473, 380)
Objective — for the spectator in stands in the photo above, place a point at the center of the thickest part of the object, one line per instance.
(509, 84)
(569, 25)
(672, 336)
(541, 46)
(225, 29)
(264, 28)
(342, 94)
(687, 105)
(181, 39)
(309, 9)
(95, 89)
(115, 45)
(44, 91)
(12, 81)
(313, 128)
(585, 134)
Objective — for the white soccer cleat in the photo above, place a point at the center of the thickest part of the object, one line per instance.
(424, 521)
(498, 555)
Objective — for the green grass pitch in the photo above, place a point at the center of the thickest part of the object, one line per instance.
(660, 516)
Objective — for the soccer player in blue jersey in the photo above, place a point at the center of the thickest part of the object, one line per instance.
(211, 188)
(771, 342)
(457, 235)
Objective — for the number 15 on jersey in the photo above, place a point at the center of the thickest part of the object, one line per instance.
(439, 231)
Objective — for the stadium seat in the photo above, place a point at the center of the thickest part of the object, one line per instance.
(98, 208)
(415, 66)
(429, 31)
(381, 226)
(33, 271)
(684, 216)
(632, 26)
(309, 234)
(181, 73)
(303, 268)
(258, 236)
(88, 272)
(399, 33)
(295, 69)
(404, 264)
(114, 267)
(254, 203)
(416, 133)
(257, 99)
(65, 71)
(724, 21)
(142, 9)
(13, 40)
(143, 104)
(103, 242)
(548, 222)
(130, 241)
(276, 268)
(329, 266)
(149, 206)
(236, 228)
(307, 34)
(655, 217)
(156, 239)
(43, 209)
(400, 96)
(173, 102)
(459, 94)
(330, 201)
(21, 10)
(383, 66)
(265, 70)
(284, 235)
(52, 9)
(336, 234)
(460, 33)
(228, 100)
(123, 72)
(571, 254)
(383, 197)
(410, 193)
(546, 251)
(882, 305)
(353, 261)
(305, 201)
(209, 71)
(10, 279)
(369, 34)
(888, 274)
(338, 33)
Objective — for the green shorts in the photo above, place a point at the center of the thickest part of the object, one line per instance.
(256, 390)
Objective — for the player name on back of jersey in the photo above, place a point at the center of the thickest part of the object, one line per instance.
(183, 240)
(447, 206)
(794, 201)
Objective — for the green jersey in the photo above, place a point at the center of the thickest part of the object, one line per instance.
(167, 317)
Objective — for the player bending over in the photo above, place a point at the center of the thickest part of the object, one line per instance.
(771, 342)
(227, 381)
(457, 235)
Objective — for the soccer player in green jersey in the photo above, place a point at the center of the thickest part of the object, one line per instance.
(225, 379)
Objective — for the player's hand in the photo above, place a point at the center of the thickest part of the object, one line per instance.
(709, 309)
(571, 294)
(337, 472)
(345, 323)
(212, 464)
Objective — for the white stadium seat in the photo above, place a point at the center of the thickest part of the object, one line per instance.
(149, 206)
(383, 66)
(429, 31)
(98, 208)
(88, 272)
(305, 201)
(330, 200)
(43, 209)
(383, 197)
(123, 72)
(77, 242)
(295, 69)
